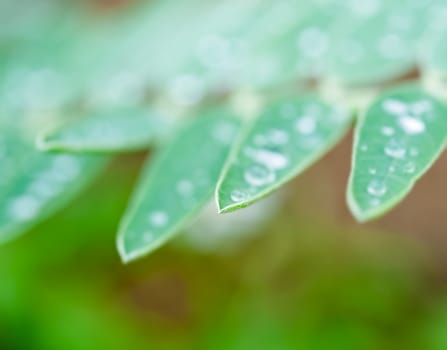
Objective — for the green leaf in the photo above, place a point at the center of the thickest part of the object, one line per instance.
(177, 184)
(106, 130)
(33, 185)
(371, 44)
(282, 142)
(434, 44)
(294, 50)
(397, 140)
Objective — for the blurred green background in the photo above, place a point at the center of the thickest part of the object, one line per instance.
(305, 277)
(309, 279)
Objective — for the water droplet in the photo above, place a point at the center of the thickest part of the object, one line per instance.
(387, 131)
(238, 196)
(259, 175)
(159, 218)
(271, 159)
(43, 188)
(395, 149)
(306, 125)
(392, 169)
(185, 188)
(363, 148)
(411, 125)
(278, 137)
(394, 106)
(24, 208)
(409, 168)
(377, 188)
(372, 171)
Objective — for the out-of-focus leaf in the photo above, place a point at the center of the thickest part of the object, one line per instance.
(376, 42)
(293, 50)
(177, 184)
(433, 52)
(33, 185)
(282, 142)
(106, 130)
(216, 53)
(397, 140)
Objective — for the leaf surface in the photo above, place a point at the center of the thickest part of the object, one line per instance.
(107, 130)
(397, 140)
(283, 141)
(33, 185)
(177, 183)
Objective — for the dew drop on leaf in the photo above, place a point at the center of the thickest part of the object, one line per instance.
(238, 196)
(394, 106)
(395, 149)
(409, 168)
(306, 125)
(411, 125)
(259, 175)
(159, 218)
(185, 188)
(377, 188)
(387, 131)
(268, 158)
(24, 208)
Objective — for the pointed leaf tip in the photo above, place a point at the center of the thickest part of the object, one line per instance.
(106, 130)
(177, 184)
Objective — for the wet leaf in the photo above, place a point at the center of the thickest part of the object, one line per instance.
(283, 141)
(33, 185)
(177, 184)
(375, 43)
(398, 139)
(107, 130)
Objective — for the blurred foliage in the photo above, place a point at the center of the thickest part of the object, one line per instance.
(92, 76)
(299, 285)
(305, 279)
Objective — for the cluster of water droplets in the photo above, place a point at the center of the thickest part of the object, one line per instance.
(266, 157)
(299, 129)
(407, 120)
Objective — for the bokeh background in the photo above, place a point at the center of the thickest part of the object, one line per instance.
(293, 272)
